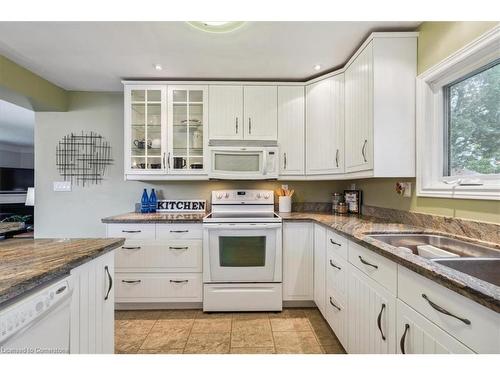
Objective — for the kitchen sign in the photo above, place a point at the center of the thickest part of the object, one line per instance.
(192, 205)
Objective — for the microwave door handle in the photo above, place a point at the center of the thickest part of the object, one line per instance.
(264, 161)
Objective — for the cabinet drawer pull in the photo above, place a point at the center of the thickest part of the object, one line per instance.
(379, 321)
(363, 150)
(367, 263)
(131, 231)
(131, 247)
(334, 265)
(236, 125)
(179, 281)
(163, 159)
(403, 338)
(131, 281)
(179, 231)
(443, 311)
(335, 243)
(337, 158)
(168, 161)
(249, 125)
(178, 247)
(284, 160)
(110, 281)
(334, 305)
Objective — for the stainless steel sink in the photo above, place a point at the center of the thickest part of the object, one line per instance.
(487, 269)
(451, 245)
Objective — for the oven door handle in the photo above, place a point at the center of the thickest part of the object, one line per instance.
(242, 226)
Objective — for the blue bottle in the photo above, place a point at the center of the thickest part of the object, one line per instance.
(153, 201)
(145, 202)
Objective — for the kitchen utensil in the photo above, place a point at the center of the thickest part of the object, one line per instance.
(197, 139)
(141, 143)
(179, 163)
(196, 165)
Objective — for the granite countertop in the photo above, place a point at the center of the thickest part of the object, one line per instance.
(158, 217)
(356, 228)
(26, 264)
(7, 227)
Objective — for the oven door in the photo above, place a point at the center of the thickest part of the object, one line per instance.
(243, 252)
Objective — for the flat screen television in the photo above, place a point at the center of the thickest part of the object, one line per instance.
(16, 180)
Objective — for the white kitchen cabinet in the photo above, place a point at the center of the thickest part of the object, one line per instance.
(260, 112)
(298, 266)
(145, 129)
(325, 126)
(319, 267)
(93, 307)
(380, 107)
(372, 315)
(291, 130)
(225, 112)
(187, 129)
(418, 335)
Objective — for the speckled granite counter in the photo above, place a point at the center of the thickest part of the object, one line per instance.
(10, 227)
(356, 228)
(135, 217)
(26, 264)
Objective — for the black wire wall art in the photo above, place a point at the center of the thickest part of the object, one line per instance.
(83, 159)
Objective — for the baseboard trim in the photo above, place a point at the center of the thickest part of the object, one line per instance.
(158, 305)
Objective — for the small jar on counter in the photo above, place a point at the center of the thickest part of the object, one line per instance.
(342, 208)
(336, 199)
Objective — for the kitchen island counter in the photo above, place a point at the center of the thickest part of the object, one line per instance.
(26, 264)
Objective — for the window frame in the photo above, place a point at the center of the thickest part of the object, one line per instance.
(432, 122)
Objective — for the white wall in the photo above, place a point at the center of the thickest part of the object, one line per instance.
(78, 213)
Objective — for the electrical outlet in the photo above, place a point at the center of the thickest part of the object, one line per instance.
(62, 185)
(407, 192)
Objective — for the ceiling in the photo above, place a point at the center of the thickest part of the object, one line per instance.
(16, 125)
(95, 56)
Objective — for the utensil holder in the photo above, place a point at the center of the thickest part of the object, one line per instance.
(285, 204)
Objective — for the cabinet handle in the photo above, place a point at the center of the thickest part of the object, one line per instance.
(334, 305)
(249, 125)
(379, 321)
(131, 247)
(178, 247)
(337, 158)
(179, 281)
(110, 280)
(445, 312)
(334, 265)
(168, 161)
(403, 338)
(367, 263)
(179, 231)
(131, 281)
(335, 243)
(284, 160)
(164, 163)
(363, 150)
(236, 125)
(131, 231)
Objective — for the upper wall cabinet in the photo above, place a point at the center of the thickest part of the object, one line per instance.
(325, 126)
(243, 112)
(145, 130)
(380, 107)
(291, 121)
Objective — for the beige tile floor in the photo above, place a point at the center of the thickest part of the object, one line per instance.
(194, 332)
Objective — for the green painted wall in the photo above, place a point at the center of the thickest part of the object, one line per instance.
(22, 87)
(437, 40)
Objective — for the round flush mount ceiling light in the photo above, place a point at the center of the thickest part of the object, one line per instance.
(216, 26)
(317, 67)
(157, 67)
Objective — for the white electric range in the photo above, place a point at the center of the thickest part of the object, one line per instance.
(242, 252)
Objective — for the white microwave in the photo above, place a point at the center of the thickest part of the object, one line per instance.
(244, 163)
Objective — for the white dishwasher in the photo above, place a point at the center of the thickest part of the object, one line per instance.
(38, 323)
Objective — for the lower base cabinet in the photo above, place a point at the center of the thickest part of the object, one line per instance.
(319, 267)
(418, 335)
(372, 313)
(93, 307)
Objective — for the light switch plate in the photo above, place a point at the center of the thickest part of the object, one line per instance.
(62, 185)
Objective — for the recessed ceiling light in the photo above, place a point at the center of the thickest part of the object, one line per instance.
(158, 67)
(216, 26)
(317, 67)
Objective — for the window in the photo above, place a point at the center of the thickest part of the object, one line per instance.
(458, 123)
(472, 123)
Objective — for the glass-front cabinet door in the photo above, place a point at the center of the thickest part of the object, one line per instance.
(187, 120)
(145, 129)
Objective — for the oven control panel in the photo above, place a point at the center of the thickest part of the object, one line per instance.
(243, 197)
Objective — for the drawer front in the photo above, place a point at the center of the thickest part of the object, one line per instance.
(375, 266)
(482, 334)
(336, 244)
(156, 256)
(166, 287)
(336, 317)
(132, 231)
(179, 231)
(336, 277)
